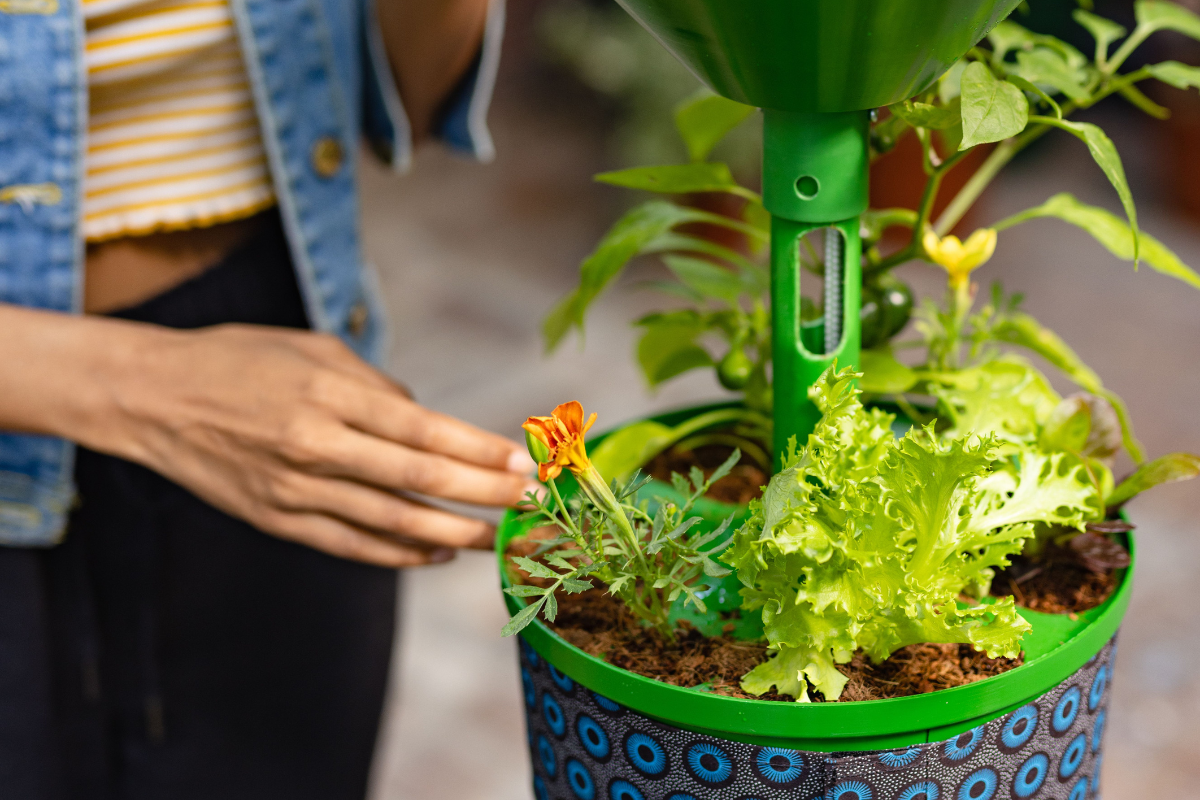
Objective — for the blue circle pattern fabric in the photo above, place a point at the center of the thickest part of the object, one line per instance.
(591, 748)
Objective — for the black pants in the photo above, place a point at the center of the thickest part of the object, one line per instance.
(166, 651)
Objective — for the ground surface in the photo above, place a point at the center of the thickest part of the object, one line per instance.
(471, 257)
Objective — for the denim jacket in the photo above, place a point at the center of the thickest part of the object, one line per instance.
(321, 82)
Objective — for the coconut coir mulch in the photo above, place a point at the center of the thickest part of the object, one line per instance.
(1069, 578)
(600, 625)
(744, 482)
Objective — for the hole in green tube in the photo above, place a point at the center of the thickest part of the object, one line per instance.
(807, 187)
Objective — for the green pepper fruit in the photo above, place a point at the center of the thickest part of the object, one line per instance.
(735, 368)
(886, 306)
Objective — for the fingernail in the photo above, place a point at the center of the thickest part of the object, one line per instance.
(520, 463)
(441, 555)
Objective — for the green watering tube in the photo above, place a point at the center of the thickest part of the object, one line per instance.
(816, 68)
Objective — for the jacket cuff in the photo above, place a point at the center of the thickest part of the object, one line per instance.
(462, 122)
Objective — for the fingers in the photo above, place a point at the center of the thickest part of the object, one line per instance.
(333, 450)
(342, 540)
(396, 418)
(375, 510)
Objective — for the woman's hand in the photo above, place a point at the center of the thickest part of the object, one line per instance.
(288, 430)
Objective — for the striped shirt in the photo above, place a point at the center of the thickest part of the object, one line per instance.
(173, 139)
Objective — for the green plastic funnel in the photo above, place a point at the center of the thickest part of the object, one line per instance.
(816, 68)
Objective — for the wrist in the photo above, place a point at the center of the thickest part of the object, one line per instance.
(66, 375)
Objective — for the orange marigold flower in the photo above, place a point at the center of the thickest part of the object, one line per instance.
(562, 433)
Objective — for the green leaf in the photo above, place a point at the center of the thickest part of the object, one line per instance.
(1043, 65)
(883, 374)
(1068, 426)
(705, 119)
(866, 541)
(950, 84)
(674, 179)
(1017, 80)
(1157, 15)
(535, 568)
(992, 109)
(1173, 467)
(1140, 101)
(1110, 231)
(1104, 31)
(524, 590)
(668, 347)
(638, 230)
(1181, 76)
(625, 450)
(1104, 153)
(1023, 330)
(708, 279)
(574, 586)
(522, 618)
(1007, 36)
(926, 115)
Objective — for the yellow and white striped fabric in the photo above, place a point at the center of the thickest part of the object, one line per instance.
(173, 139)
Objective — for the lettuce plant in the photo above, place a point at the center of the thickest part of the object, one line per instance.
(868, 541)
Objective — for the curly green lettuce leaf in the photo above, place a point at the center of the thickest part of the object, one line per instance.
(868, 542)
(1007, 398)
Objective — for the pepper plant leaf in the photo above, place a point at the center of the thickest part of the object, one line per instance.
(1110, 231)
(675, 178)
(992, 109)
(1181, 76)
(1157, 15)
(1104, 153)
(1168, 468)
(927, 115)
(1104, 31)
(704, 119)
(708, 279)
(634, 233)
(668, 346)
(1044, 66)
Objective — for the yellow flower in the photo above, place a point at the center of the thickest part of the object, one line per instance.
(562, 434)
(958, 258)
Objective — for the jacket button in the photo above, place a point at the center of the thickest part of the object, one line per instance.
(357, 319)
(327, 156)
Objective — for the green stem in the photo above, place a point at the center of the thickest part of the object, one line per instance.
(566, 514)
(974, 186)
(914, 248)
(1126, 49)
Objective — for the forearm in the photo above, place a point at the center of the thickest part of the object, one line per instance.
(430, 45)
(58, 371)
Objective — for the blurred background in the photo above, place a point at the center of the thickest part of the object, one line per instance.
(471, 258)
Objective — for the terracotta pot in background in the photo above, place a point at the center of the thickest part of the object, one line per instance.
(1180, 165)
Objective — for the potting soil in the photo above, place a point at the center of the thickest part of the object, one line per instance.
(600, 625)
